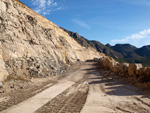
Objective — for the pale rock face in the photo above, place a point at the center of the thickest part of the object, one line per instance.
(12, 10)
(133, 69)
(2, 6)
(31, 45)
(3, 71)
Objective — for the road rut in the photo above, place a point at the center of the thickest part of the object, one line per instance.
(87, 90)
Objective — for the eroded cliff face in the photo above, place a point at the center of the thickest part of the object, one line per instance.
(31, 45)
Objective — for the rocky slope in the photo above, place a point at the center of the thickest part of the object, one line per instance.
(32, 46)
(95, 44)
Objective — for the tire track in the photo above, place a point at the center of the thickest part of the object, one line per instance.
(70, 101)
(24, 94)
(138, 99)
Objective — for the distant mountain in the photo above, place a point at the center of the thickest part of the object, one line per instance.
(144, 51)
(130, 51)
(124, 49)
(132, 54)
(95, 44)
(121, 52)
(108, 45)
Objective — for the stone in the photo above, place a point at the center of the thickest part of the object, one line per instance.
(2, 91)
(106, 62)
(133, 69)
(114, 66)
(123, 68)
(1, 84)
(101, 60)
(12, 86)
(138, 67)
(144, 75)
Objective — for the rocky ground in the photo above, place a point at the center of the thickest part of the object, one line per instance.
(16, 91)
(84, 88)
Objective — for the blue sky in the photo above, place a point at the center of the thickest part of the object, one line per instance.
(107, 21)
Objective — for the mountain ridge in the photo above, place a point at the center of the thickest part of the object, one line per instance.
(95, 44)
(121, 52)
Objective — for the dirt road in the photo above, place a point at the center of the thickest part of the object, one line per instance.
(85, 90)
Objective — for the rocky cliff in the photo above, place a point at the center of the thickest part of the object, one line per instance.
(32, 46)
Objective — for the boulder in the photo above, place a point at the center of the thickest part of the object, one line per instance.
(106, 62)
(101, 60)
(134, 69)
(114, 66)
(138, 66)
(123, 68)
(144, 75)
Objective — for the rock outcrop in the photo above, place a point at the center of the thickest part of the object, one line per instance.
(32, 46)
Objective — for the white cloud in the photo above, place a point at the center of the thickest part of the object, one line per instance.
(138, 39)
(44, 7)
(81, 23)
(54, 4)
(49, 2)
(137, 2)
(59, 8)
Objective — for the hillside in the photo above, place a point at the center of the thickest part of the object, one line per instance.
(32, 46)
(121, 52)
(124, 49)
(128, 50)
(143, 51)
(95, 44)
